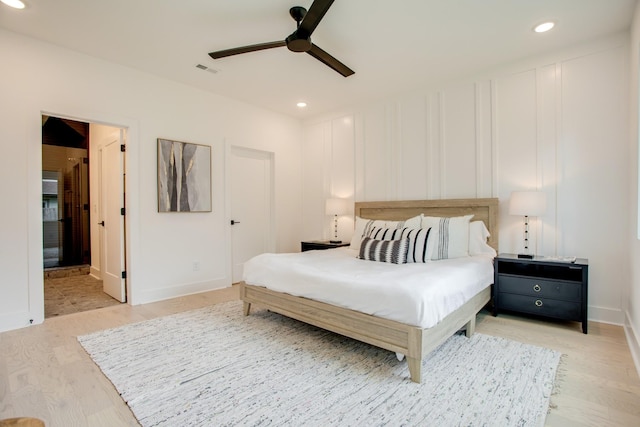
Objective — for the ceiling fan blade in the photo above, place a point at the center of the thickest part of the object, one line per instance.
(246, 49)
(312, 18)
(329, 60)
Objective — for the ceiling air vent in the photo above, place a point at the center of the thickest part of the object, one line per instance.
(205, 68)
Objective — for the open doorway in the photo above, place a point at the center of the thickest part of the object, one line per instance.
(71, 243)
(65, 192)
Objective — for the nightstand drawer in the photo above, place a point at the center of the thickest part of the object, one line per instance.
(540, 306)
(541, 288)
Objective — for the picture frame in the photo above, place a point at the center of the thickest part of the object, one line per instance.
(184, 176)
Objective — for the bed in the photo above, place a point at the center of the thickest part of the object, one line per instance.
(412, 341)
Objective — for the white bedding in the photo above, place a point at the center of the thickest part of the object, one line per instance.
(415, 294)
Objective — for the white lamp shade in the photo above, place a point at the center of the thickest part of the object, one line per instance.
(529, 203)
(335, 206)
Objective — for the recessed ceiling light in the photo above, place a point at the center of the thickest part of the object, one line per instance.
(301, 104)
(16, 4)
(544, 27)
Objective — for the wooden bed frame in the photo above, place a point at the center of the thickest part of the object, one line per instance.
(412, 341)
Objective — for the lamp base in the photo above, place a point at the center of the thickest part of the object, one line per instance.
(335, 241)
(525, 256)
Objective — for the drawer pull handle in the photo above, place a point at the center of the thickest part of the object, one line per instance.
(538, 303)
(537, 288)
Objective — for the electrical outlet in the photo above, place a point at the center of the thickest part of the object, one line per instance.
(196, 265)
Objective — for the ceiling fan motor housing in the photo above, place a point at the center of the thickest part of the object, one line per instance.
(296, 43)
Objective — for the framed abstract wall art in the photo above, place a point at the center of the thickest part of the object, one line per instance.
(184, 177)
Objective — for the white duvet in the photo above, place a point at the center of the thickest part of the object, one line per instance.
(415, 294)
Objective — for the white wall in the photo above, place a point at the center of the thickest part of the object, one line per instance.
(39, 77)
(557, 123)
(632, 296)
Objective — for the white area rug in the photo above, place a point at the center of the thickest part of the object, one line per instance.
(213, 366)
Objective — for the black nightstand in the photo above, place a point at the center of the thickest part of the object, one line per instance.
(542, 287)
(321, 244)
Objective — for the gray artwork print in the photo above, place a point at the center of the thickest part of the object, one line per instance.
(184, 177)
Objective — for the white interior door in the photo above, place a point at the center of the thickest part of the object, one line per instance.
(251, 177)
(112, 201)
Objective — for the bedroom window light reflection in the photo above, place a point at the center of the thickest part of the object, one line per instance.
(335, 207)
(16, 4)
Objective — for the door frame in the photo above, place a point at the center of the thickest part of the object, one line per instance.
(33, 186)
(230, 148)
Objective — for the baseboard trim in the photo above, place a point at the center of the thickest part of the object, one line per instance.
(168, 292)
(606, 315)
(15, 320)
(633, 341)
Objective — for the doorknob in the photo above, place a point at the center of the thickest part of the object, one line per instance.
(101, 223)
(234, 222)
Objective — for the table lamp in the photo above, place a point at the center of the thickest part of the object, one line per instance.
(527, 203)
(335, 207)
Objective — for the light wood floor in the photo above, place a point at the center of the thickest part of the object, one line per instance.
(45, 373)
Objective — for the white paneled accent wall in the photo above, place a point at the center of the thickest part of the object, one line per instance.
(557, 124)
(327, 163)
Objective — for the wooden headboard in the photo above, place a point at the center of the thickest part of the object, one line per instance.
(482, 209)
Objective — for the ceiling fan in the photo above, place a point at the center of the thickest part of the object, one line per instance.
(300, 39)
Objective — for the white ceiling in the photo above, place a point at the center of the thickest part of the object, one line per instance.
(393, 46)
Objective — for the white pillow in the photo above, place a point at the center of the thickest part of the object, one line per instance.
(449, 236)
(478, 235)
(363, 227)
(414, 222)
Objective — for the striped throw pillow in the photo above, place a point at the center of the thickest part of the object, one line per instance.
(418, 240)
(363, 227)
(451, 236)
(393, 251)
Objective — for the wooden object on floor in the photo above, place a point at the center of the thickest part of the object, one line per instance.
(412, 341)
(21, 422)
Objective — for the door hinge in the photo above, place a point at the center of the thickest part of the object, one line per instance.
(123, 148)
(121, 211)
(124, 274)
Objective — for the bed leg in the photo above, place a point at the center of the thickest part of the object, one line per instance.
(415, 366)
(471, 327)
(246, 308)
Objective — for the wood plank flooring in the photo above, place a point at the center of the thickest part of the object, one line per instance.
(45, 373)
